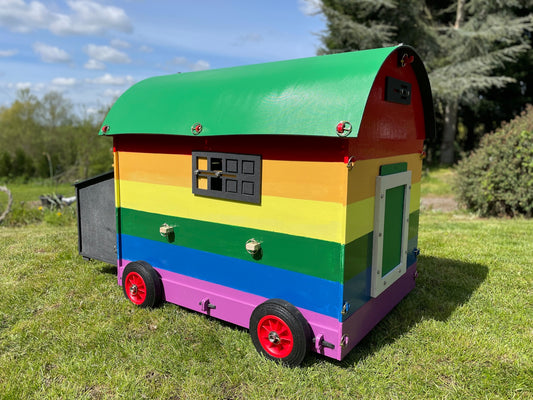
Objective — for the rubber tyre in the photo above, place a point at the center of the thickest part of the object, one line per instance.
(142, 285)
(280, 332)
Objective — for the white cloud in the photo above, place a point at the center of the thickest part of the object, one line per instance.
(51, 54)
(106, 54)
(8, 53)
(23, 85)
(108, 79)
(18, 16)
(309, 7)
(120, 44)
(94, 64)
(85, 18)
(113, 93)
(199, 65)
(64, 81)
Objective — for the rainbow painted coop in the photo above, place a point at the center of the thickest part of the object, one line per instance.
(281, 197)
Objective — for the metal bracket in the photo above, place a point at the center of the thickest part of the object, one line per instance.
(205, 305)
(351, 163)
(344, 340)
(345, 308)
(319, 342)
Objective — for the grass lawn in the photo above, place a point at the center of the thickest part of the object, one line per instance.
(466, 331)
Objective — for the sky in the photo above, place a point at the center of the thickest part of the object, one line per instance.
(93, 50)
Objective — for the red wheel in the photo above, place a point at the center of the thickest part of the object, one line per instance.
(280, 332)
(135, 288)
(141, 284)
(275, 336)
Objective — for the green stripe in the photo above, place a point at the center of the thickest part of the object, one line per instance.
(413, 224)
(358, 253)
(357, 256)
(390, 169)
(318, 258)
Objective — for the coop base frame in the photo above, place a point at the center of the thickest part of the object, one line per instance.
(236, 307)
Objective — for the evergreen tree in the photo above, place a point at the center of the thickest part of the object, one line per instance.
(466, 46)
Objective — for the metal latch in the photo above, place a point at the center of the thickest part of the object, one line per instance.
(253, 246)
(166, 230)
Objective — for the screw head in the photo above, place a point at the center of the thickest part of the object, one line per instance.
(196, 129)
(344, 128)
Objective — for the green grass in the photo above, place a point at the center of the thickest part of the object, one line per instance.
(438, 182)
(25, 208)
(67, 331)
(31, 192)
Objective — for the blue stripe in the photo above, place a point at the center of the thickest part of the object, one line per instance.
(305, 291)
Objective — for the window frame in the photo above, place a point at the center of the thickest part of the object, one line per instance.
(239, 176)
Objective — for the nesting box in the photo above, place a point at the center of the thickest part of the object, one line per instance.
(281, 197)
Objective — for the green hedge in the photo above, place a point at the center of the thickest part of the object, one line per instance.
(497, 178)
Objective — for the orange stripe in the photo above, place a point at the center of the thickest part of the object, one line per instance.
(306, 180)
(362, 177)
(163, 169)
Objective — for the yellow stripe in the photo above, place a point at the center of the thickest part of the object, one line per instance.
(307, 218)
(116, 178)
(359, 219)
(360, 215)
(414, 204)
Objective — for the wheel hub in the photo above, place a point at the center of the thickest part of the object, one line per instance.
(273, 337)
(133, 289)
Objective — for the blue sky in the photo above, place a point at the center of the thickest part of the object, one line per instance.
(93, 50)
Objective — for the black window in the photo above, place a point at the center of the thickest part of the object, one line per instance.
(227, 176)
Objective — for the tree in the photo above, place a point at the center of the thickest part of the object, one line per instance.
(467, 46)
(19, 127)
(44, 138)
(485, 37)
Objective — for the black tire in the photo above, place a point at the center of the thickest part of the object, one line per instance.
(280, 332)
(142, 285)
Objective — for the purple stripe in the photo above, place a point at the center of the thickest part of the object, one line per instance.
(357, 326)
(236, 306)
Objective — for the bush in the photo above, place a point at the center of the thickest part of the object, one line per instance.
(497, 178)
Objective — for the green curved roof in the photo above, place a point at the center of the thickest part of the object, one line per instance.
(306, 96)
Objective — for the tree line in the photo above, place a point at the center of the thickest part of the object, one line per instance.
(45, 138)
(477, 52)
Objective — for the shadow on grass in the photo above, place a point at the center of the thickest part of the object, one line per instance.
(108, 269)
(442, 286)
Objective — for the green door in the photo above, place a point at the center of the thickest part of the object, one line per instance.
(391, 224)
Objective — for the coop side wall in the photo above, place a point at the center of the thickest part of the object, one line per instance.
(300, 223)
(390, 134)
